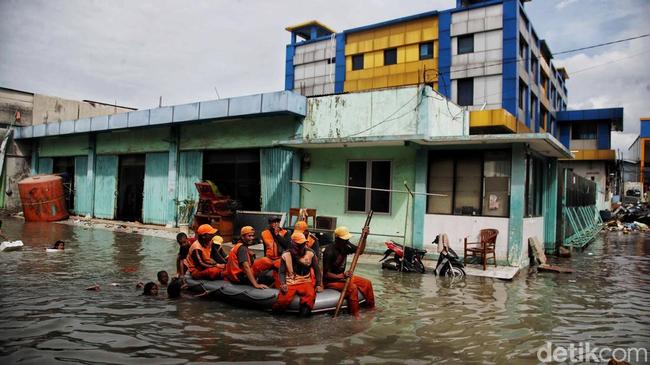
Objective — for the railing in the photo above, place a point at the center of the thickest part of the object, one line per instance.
(580, 217)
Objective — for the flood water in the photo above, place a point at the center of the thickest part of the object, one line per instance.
(46, 316)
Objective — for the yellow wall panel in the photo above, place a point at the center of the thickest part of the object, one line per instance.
(395, 80)
(350, 86)
(380, 43)
(412, 66)
(381, 71)
(368, 60)
(398, 28)
(380, 82)
(364, 84)
(381, 32)
(429, 33)
(379, 58)
(413, 36)
(396, 40)
(365, 46)
(412, 53)
(351, 48)
(348, 65)
(396, 69)
(352, 75)
(401, 55)
(411, 78)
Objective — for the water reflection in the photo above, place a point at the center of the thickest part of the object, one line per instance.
(47, 317)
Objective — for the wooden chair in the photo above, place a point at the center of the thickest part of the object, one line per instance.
(306, 213)
(484, 248)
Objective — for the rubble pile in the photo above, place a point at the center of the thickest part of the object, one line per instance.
(627, 218)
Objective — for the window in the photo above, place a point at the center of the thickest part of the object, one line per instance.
(523, 51)
(426, 50)
(369, 174)
(534, 186)
(470, 184)
(522, 94)
(584, 131)
(465, 91)
(534, 64)
(533, 109)
(357, 62)
(543, 122)
(466, 44)
(390, 56)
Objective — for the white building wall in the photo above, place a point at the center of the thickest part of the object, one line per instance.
(533, 227)
(314, 68)
(484, 64)
(458, 227)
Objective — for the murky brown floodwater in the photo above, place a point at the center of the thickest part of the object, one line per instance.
(47, 317)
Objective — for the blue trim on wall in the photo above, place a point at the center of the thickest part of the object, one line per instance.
(510, 88)
(339, 70)
(565, 134)
(288, 70)
(645, 129)
(604, 137)
(444, 54)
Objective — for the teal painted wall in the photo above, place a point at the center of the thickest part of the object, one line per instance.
(190, 171)
(550, 205)
(419, 202)
(237, 134)
(105, 186)
(82, 191)
(155, 188)
(63, 146)
(133, 141)
(45, 165)
(276, 170)
(330, 166)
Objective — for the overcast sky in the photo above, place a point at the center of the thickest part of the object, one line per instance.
(133, 52)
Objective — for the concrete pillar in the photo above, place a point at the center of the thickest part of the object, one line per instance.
(296, 174)
(172, 177)
(420, 201)
(90, 173)
(550, 205)
(517, 203)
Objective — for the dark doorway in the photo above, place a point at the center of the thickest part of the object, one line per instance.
(64, 167)
(236, 174)
(130, 187)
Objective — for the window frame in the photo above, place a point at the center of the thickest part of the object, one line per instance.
(427, 57)
(386, 52)
(464, 37)
(357, 56)
(465, 79)
(368, 197)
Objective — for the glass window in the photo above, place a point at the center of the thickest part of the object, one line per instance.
(465, 91)
(426, 50)
(441, 181)
(369, 174)
(584, 131)
(496, 177)
(466, 44)
(467, 194)
(357, 62)
(390, 56)
(522, 94)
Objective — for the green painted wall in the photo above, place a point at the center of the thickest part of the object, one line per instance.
(63, 146)
(45, 165)
(82, 190)
(133, 141)
(517, 203)
(237, 134)
(330, 166)
(105, 186)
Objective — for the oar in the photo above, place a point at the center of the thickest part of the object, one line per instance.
(360, 247)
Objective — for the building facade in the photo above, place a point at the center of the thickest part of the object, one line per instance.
(640, 150)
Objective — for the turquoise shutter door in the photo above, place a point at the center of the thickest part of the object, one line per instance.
(156, 198)
(105, 186)
(82, 197)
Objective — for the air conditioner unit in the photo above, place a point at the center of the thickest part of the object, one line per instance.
(326, 223)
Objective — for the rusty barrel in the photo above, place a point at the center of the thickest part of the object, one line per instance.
(43, 198)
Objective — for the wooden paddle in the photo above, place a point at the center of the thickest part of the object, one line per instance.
(360, 247)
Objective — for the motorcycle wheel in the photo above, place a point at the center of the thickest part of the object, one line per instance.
(419, 266)
(455, 272)
(392, 264)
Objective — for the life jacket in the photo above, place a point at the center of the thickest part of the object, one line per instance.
(293, 278)
(233, 269)
(272, 249)
(205, 256)
(310, 240)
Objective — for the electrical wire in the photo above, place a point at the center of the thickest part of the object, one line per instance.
(602, 44)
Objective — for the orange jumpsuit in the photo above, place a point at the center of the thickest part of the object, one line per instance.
(273, 248)
(234, 266)
(196, 259)
(296, 273)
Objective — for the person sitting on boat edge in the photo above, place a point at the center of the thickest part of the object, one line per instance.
(198, 260)
(239, 268)
(216, 252)
(334, 261)
(183, 250)
(163, 278)
(297, 266)
(58, 245)
(275, 243)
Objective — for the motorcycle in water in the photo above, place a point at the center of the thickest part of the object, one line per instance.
(449, 264)
(406, 259)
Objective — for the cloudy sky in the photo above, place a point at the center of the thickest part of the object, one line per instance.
(134, 52)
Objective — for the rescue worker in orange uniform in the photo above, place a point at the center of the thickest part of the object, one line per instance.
(198, 260)
(275, 242)
(312, 241)
(239, 265)
(334, 261)
(297, 266)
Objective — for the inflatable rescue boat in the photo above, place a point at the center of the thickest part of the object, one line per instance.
(262, 299)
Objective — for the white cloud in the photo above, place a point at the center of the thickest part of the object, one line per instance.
(564, 3)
